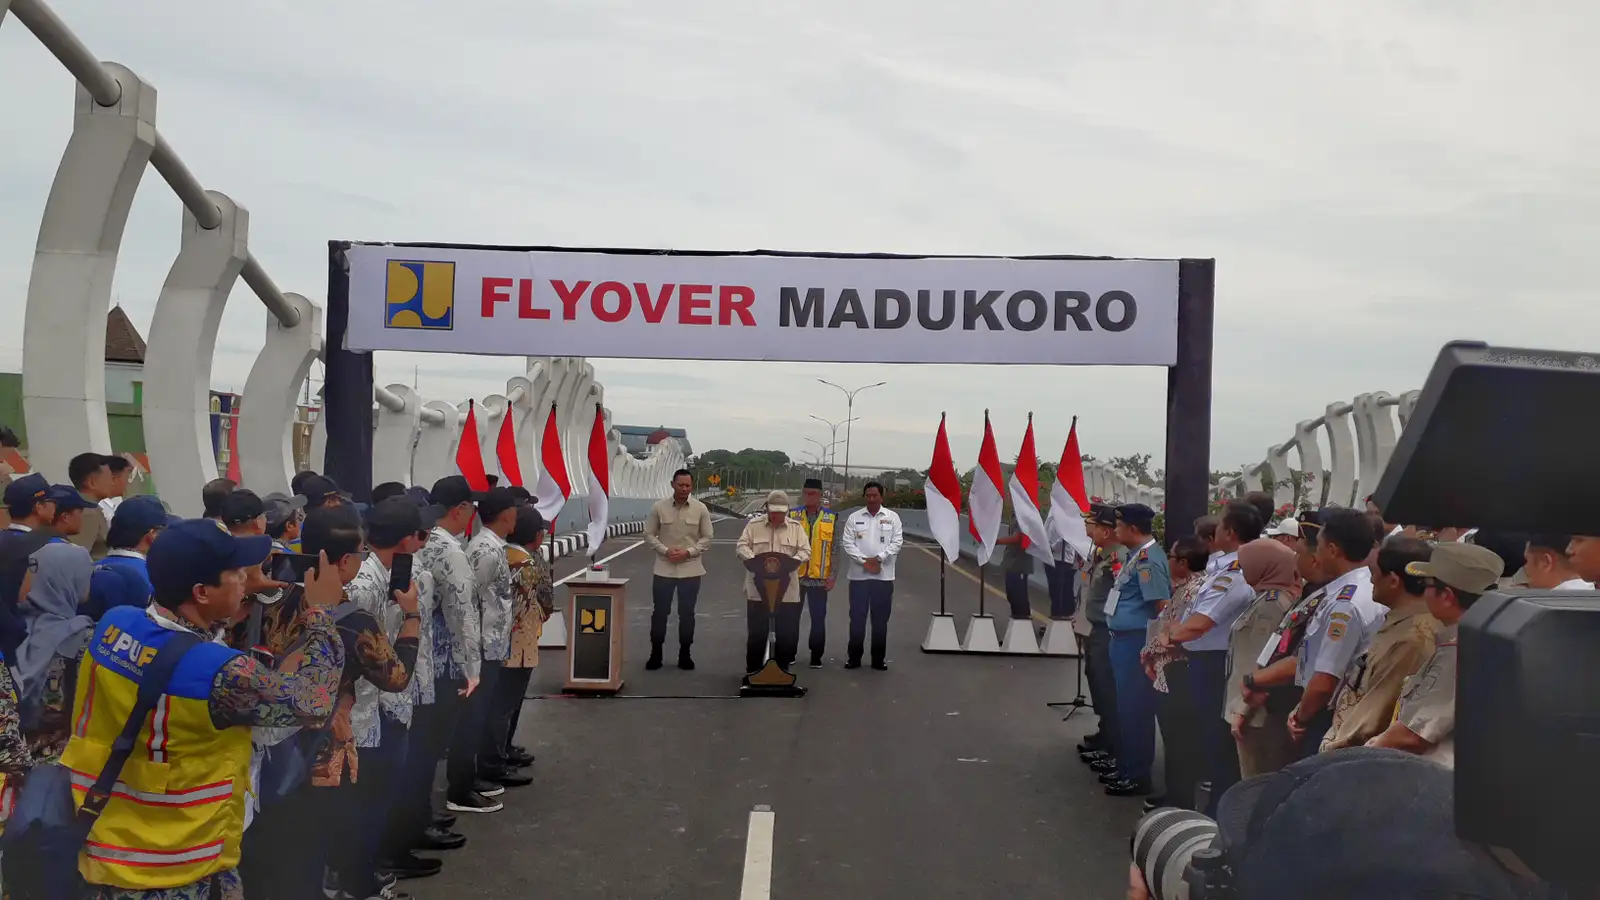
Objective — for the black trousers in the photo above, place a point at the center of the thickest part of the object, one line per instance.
(465, 742)
(1061, 576)
(815, 599)
(874, 599)
(283, 853)
(1176, 716)
(1216, 750)
(1017, 595)
(1102, 684)
(376, 798)
(431, 728)
(786, 640)
(661, 590)
(509, 693)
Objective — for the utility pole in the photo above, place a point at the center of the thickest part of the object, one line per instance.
(849, 412)
(833, 428)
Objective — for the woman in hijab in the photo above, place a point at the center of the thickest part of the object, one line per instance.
(1262, 733)
(47, 662)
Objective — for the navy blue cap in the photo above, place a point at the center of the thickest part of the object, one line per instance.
(1101, 514)
(67, 498)
(140, 514)
(1358, 822)
(27, 490)
(197, 551)
(1136, 514)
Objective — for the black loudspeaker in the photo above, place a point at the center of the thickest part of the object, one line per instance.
(1509, 441)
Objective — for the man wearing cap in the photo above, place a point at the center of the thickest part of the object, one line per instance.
(1343, 626)
(199, 574)
(1143, 586)
(1096, 581)
(491, 572)
(816, 576)
(283, 526)
(873, 537)
(90, 474)
(1453, 578)
(244, 513)
(773, 532)
(679, 530)
(1285, 532)
(319, 491)
(123, 578)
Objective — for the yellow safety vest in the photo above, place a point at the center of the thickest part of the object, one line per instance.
(176, 815)
(821, 534)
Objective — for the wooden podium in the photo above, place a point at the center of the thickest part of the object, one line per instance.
(771, 572)
(595, 613)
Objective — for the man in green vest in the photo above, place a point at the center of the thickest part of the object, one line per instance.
(816, 576)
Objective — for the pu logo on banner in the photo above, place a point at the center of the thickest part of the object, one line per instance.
(592, 621)
(420, 295)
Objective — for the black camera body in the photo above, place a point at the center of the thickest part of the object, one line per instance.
(1508, 440)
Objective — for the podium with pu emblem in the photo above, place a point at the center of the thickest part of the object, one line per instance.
(594, 652)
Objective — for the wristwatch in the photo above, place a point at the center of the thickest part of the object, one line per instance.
(412, 615)
(1250, 682)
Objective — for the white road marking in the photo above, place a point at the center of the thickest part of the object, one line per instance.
(561, 581)
(757, 883)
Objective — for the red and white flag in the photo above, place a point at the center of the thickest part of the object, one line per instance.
(554, 486)
(505, 448)
(1024, 489)
(943, 492)
(984, 501)
(599, 481)
(1069, 498)
(469, 452)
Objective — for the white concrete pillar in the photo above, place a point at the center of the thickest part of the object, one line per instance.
(1341, 446)
(271, 393)
(1249, 480)
(491, 411)
(69, 292)
(1364, 412)
(1408, 405)
(317, 452)
(1276, 468)
(182, 345)
(523, 427)
(1305, 440)
(1383, 436)
(436, 445)
(395, 436)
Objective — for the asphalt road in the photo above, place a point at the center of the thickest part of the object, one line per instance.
(945, 777)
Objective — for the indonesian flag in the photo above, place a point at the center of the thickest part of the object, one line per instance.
(1024, 488)
(505, 448)
(943, 492)
(984, 502)
(599, 481)
(469, 453)
(554, 487)
(1069, 498)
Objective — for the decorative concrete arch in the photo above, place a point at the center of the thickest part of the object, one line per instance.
(1341, 447)
(1408, 405)
(266, 451)
(395, 438)
(69, 291)
(1281, 485)
(435, 456)
(183, 343)
(1305, 442)
(491, 411)
(523, 428)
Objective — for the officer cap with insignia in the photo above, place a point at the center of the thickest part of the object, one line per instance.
(1137, 515)
(1464, 567)
(1101, 514)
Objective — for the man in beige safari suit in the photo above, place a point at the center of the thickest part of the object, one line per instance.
(678, 529)
(773, 532)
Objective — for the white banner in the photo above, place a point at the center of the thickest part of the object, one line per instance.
(801, 308)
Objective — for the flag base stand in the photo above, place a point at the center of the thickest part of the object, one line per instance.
(1059, 639)
(981, 636)
(554, 636)
(942, 636)
(1020, 639)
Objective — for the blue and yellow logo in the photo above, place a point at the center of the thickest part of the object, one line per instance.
(420, 295)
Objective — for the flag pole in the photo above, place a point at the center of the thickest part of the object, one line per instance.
(981, 589)
(941, 581)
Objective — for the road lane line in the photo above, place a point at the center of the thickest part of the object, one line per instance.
(1037, 616)
(757, 883)
(587, 566)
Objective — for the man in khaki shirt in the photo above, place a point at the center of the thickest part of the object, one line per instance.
(92, 477)
(1365, 702)
(773, 532)
(679, 531)
(1425, 723)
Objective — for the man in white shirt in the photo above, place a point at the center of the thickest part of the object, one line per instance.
(1548, 567)
(872, 540)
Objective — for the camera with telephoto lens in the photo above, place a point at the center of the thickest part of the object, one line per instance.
(1507, 441)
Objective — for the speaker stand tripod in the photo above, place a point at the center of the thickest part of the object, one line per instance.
(1078, 701)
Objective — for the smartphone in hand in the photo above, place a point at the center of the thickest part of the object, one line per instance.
(400, 573)
(299, 564)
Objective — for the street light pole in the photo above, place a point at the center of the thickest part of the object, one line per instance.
(833, 428)
(849, 412)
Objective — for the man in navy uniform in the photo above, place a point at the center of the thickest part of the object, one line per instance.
(1145, 584)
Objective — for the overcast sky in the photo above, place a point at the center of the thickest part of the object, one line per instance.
(1373, 178)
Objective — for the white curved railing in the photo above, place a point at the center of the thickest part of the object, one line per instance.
(1360, 437)
(114, 139)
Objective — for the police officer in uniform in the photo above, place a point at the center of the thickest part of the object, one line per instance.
(1135, 599)
(1099, 750)
(816, 576)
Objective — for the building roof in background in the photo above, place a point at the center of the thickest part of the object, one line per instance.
(647, 431)
(124, 344)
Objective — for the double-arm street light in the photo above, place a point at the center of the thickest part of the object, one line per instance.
(833, 428)
(849, 411)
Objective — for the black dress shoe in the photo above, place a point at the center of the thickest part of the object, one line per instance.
(881, 666)
(506, 777)
(1128, 788)
(440, 839)
(1111, 778)
(853, 664)
(1102, 766)
(412, 866)
(1091, 743)
(685, 661)
(445, 821)
(1094, 756)
(519, 758)
(654, 662)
